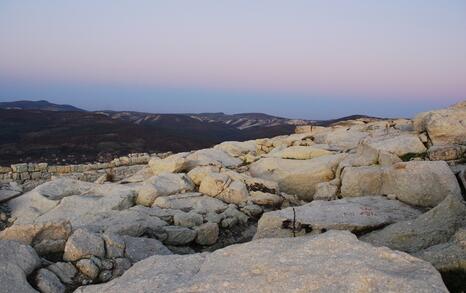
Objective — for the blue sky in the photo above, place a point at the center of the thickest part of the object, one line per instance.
(302, 59)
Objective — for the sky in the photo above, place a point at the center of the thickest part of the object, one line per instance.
(313, 59)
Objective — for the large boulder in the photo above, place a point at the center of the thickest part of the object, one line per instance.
(237, 148)
(163, 185)
(207, 157)
(80, 209)
(446, 126)
(421, 183)
(358, 214)
(399, 145)
(331, 262)
(298, 177)
(361, 181)
(84, 244)
(447, 152)
(46, 203)
(342, 137)
(17, 261)
(171, 164)
(433, 227)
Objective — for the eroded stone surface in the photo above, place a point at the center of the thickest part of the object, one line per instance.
(352, 214)
(331, 262)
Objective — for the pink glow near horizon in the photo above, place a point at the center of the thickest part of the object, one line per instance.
(352, 48)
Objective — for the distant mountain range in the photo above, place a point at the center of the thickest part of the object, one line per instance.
(43, 131)
(37, 105)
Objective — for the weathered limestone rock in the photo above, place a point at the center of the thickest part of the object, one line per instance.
(327, 190)
(301, 153)
(266, 199)
(133, 222)
(361, 181)
(421, 183)
(233, 213)
(83, 244)
(207, 234)
(88, 268)
(341, 137)
(48, 282)
(44, 237)
(207, 157)
(17, 261)
(446, 126)
(179, 235)
(7, 194)
(81, 209)
(214, 183)
(163, 185)
(235, 193)
(221, 186)
(388, 159)
(114, 245)
(140, 248)
(331, 262)
(399, 145)
(35, 206)
(65, 271)
(237, 148)
(190, 201)
(198, 173)
(254, 184)
(63, 187)
(433, 227)
(140, 176)
(188, 220)
(298, 177)
(445, 152)
(171, 164)
(252, 211)
(357, 214)
(448, 256)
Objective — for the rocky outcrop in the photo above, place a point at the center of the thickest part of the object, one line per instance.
(298, 177)
(400, 145)
(163, 185)
(378, 179)
(334, 261)
(357, 215)
(433, 227)
(446, 126)
(419, 183)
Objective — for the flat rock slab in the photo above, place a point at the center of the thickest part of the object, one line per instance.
(331, 262)
(7, 194)
(352, 214)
